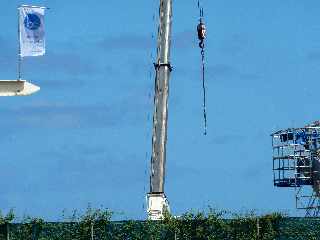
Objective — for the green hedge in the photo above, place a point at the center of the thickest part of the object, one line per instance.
(96, 224)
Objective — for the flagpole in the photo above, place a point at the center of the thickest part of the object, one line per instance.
(19, 48)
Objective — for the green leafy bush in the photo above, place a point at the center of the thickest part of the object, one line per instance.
(96, 224)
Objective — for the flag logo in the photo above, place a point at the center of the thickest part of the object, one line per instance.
(31, 31)
(32, 21)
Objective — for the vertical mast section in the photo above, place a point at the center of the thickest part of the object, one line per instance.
(157, 201)
(163, 68)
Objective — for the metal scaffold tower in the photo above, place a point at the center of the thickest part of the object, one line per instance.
(157, 201)
(296, 164)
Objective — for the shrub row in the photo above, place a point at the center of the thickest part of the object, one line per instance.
(96, 224)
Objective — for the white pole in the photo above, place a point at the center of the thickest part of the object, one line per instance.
(19, 48)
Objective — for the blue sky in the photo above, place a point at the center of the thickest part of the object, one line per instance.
(86, 136)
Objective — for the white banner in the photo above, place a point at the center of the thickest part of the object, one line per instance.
(31, 28)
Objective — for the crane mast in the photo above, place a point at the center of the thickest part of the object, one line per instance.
(157, 201)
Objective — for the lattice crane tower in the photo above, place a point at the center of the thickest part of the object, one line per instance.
(296, 164)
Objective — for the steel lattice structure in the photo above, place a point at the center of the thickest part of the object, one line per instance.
(296, 164)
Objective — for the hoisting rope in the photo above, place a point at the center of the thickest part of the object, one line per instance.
(201, 30)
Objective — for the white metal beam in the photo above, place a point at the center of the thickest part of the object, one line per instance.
(17, 88)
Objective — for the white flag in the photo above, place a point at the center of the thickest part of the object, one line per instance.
(31, 28)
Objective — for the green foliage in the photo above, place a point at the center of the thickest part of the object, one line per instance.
(8, 218)
(214, 225)
(96, 224)
(29, 229)
(4, 223)
(300, 229)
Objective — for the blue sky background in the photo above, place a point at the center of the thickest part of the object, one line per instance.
(86, 136)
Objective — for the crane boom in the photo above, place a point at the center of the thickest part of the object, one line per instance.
(157, 201)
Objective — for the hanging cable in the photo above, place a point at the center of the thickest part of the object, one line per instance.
(201, 30)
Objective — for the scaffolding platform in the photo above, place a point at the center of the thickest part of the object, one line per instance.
(296, 161)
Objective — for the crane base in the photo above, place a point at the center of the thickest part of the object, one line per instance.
(157, 206)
